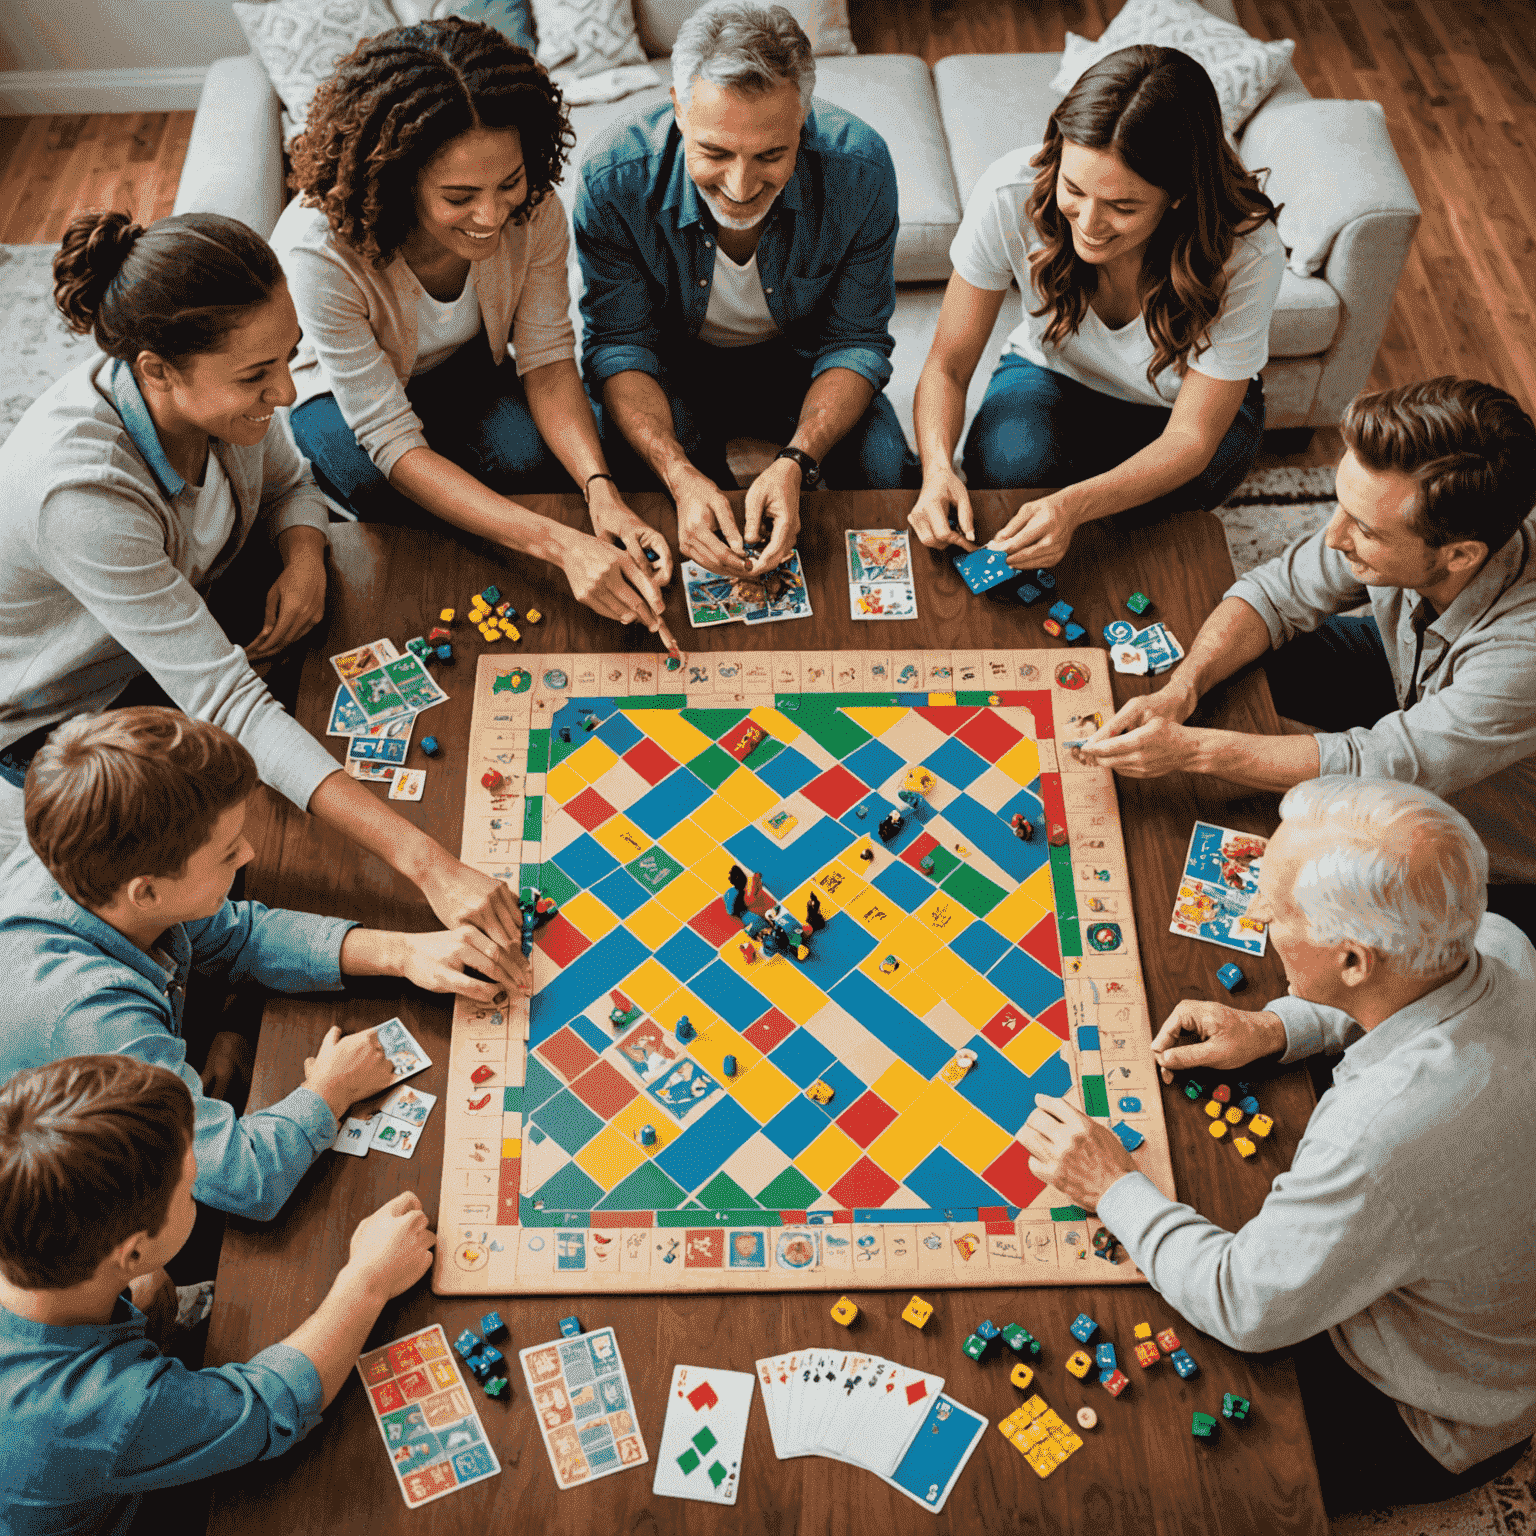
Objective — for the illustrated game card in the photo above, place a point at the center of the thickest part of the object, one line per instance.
(354, 1136)
(940, 1449)
(397, 1125)
(1221, 876)
(880, 574)
(405, 1055)
(386, 742)
(427, 1416)
(346, 718)
(763, 598)
(586, 1410)
(371, 773)
(409, 784)
(711, 599)
(702, 1439)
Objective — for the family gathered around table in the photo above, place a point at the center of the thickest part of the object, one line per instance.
(403, 347)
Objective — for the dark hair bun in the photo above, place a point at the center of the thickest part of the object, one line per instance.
(92, 253)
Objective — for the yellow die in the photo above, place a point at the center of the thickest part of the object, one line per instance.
(1260, 1125)
(1234, 1114)
(533, 615)
(1143, 1330)
(447, 616)
(844, 1312)
(820, 1092)
(1217, 1128)
(1213, 1109)
(510, 631)
(1021, 1376)
(1080, 1362)
(917, 1312)
(1245, 1148)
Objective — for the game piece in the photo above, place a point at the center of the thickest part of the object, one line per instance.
(917, 1312)
(1027, 592)
(1218, 1129)
(647, 1135)
(1104, 1356)
(974, 1347)
(494, 1386)
(444, 652)
(564, 733)
(1193, 1090)
(1021, 1376)
(490, 1358)
(1234, 1115)
(417, 645)
(1118, 632)
(1019, 1340)
(673, 663)
(685, 1030)
(1087, 1418)
(492, 780)
(958, 1065)
(467, 1344)
(1234, 1407)
(437, 633)
(820, 1092)
(889, 965)
(1107, 1246)
(1168, 1341)
(1245, 1148)
(1061, 611)
(814, 920)
(487, 632)
(491, 1325)
(512, 632)
(1075, 634)
(1130, 1137)
(533, 616)
(1221, 1094)
(1129, 1104)
(1057, 837)
(1046, 580)
(1260, 1126)
(988, 1331)
(569, 1327)
(1231, 977)
(1202, 1426)
(491, 596)
(867, 855)
(1114, 1382)
(748, 951)
(1147, 1354)
(844, 1312)
(1184, 1363)
(555, 678)
(1213, 1109)
(1248, 1104)
(429, 745)
(1138, 603)
(1142, 1331)
(890, 825)
(1023, 828)
(1053, 627)
(1079, 1363)
(447, 615)
(1083, 1328)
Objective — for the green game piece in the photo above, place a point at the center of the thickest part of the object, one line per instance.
(1234, 1407)
(1203, 1427)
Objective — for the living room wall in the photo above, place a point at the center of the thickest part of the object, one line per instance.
(116, 34)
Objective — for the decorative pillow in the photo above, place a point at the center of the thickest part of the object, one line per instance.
(1243, 69)
(825, 22)
(300, 42)
(512, 18)
(586, 37)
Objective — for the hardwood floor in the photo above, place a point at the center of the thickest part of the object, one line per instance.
(1457, 79)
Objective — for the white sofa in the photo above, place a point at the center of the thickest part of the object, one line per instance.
(1330, 164)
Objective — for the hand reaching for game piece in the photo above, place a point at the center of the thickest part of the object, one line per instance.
(392, 1249)
(459, 894)
(1224, 1038)
(943, 495)
(612, 520)
(1038, 534)
(1072, 1153)
(1146, 737)
(775, 497)
(610, 582)
(706, 527)
(347, 1068)
(438, 962)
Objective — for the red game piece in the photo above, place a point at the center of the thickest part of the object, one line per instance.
(1169, 1340)
(1146, 1354)
(1115, 1383)
(1221, 1093)
(1058, 835)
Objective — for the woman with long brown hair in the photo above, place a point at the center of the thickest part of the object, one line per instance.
(1150, 265)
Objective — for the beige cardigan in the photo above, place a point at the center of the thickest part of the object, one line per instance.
(360, 323)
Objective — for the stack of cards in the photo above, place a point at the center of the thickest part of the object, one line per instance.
(894, 1420)
(375, 707)
(1221, 877)
(395, 1127)
(702, 1440)
(1139, 652)
(586, 1410)
(761, 599)
(880, 574)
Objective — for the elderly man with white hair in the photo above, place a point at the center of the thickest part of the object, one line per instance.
(1406, 1225)
(738, 251)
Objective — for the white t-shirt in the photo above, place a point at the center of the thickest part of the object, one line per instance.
(992, 251)
(213, 520)
(738, 308)
(442, 328)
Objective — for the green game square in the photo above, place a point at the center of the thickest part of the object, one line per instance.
(689, 1461)
(943, 862)
(829, 727)
(714, 766)
(717, 1473)
(538, 752)
(972, 696)
(662, 701)
(1095, 1096)
(560, 750)
(973, 890)
(512, 1100)
(1068, 1213)
(704, 1442)
(533, 818)
(655, 869)
(551, 880)
(714, 723)
(763, 753)
(790, 1191)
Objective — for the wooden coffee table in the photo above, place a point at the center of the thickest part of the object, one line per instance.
(1139, 1472)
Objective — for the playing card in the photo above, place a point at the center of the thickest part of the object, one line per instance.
(405, 1055)
(831, 1428)
(411, 1105)
(413, 682)
(354, 1137)
(386, 742)
(775, 595)
(586, 1410)
(711, 599)
(903, 1400)
(409, 784)
(940, 1449)
(880, 574)
(1221, 877)
(774, 1374)
(371, 773)
(397, 1137)
(702, 1439)
(373, 691)
(346, 718)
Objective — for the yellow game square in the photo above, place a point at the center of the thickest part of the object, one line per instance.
(511, 1148)
(976, 1140)
(642, 1111)
(671, 1009)
(1042, 888)
(591, 760)
(977, 1001)
(623, 839)
(747, 793)
(939, 699)
(1016, 913)
(915, 995)
(1031, 1048)
(829, 1157)
(762, 1091)
(849, 858)
(876, 719)
(653, 925)
(836, 887)
(912, 941)
(715, 1044)
(900, 1086)
(649, 985)
(913, 1135)
(788, 988)
(611, 1156)
(945, 972)
(1021, 762)
(562, 785)
(718, 820)
(945, 916)
(877, 913)
(687, 843)
(589, 915)
(713, 867)
(685, 895)
(671, 733)
(777, 724)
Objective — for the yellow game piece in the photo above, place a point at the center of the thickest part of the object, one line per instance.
(1143, 1330)
(1213, 1109)
(1260, 1125)
(478, 605)
(533, 615)
(510, 631)
(489, 632)
(820, 1092)
(917, 1312)
(1080, 1362)
(447, 616)
(1234, 1114)
(1021, 1376)
(844, 1312)
(1217, 1128)
(1245, 1148)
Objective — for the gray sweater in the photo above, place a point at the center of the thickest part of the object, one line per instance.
(93, 570)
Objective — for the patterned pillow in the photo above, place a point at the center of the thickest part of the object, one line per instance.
(1243, 69)
(512, 18)
(586, 37)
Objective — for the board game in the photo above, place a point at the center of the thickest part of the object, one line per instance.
(598, 1139)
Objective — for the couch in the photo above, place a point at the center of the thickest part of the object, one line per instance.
(1330, 163)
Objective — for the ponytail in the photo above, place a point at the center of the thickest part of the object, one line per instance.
(175, 288)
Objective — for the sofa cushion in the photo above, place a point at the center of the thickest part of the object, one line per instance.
(991, 103)
(1306, 317)
(825, 22)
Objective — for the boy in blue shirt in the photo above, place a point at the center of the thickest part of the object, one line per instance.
(96, 1175)
(135, 825)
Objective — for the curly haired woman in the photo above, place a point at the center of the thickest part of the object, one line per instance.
(424, 241)
(1150, 266)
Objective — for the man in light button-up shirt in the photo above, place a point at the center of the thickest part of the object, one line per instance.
(1404, 1223)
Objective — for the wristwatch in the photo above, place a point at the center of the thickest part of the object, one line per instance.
(810, 470)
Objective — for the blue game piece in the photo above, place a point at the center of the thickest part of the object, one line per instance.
(492, 1326)
(467, 1343)
(647, 1135)
(986, 571)
(988, 1330)
(1028, 593)
(1075, 634)
(728, 1066)
(1183, 1363)
(1118, 632)
(1083, 1328)
(444, 652)
(492, 595)
(861, 811)
(570, 1327)
(1062, 611)
(685, 1031)
(430, 746)
(1231, 977)
(491, 1357)
(565, 734)
(1130, 1138)
(1248, 1104)
(1104, 1357)
(1129, 1104)
(478, 1366)
(1046, 580)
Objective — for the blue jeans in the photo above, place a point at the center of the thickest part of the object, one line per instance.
(717, 393)
(474, 413)
(1040, 428)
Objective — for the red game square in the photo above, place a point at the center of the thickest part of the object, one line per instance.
(429, 1481)
(918, 850)
(715, 925)
(589, 808)
(567, 1053)
(769, 1031)
(1004, 1025)
(1056, 1019)
(834, 791)
(388, 1397)
(376, 1368)
(864, 1185)
(1011, 1178)
(649, 761)
(948, 717)
(603, 1090)
(985, 733)
(1044, 943)
(866, 1117)
(561, 940)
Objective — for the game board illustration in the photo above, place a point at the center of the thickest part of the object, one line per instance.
(803, 977)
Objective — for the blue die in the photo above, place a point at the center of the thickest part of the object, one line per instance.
(1045, 580)
(1119, 632)
(1248, 1104)
(492, 1326)
(1062, 611)
(1075, 634)
(429, 745)
(1104, 1357)
(1231, 977)
(1130, 1137)
(1028, 593)
(1184, 1363)
(467, 1344)
(569, 1327)
(1083, 1328)
(490, 1358)
(987, 1330)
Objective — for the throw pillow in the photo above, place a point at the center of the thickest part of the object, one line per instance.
(300, 42)
(1243, 69)
(825, 22)
(512, 18)
(586, 37)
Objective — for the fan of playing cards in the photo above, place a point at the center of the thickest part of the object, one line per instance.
(893, 1420)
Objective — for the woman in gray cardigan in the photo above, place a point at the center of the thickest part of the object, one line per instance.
(427, 257)
(130, 487)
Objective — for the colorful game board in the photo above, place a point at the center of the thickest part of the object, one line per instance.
(1021, 952)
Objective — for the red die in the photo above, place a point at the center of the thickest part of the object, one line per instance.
(1115, 1383)
(1169, 1340)
(1146, 1354)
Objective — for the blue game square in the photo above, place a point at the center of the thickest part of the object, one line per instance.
(586, 861)
(944, 1182)
(787, 772)
(873, 763)
(956, 764)
(618, 732)
(737, 1002)
(985, 829)
(539, 1083)
(876, 807)
(996, 1087)
(696, 1155)
(981, 946)
(1088, 1037)
(591, 1033)
(590, 975)
(801, 1057)
(621, 893)
(795, 1126)
(892, 1025)
(845, 1088)
(678, 795)
(908, 889)
(685, 954)
(808, 854)
(1023, 980)
(837, 949)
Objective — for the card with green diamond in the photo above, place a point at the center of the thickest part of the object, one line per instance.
(702, 1440)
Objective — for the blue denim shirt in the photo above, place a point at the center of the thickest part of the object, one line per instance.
(827, 255)
(76, 987)
(96, 1416)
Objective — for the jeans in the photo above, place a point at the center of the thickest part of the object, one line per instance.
(475, 413)
(717, 393)
(1040, 428)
